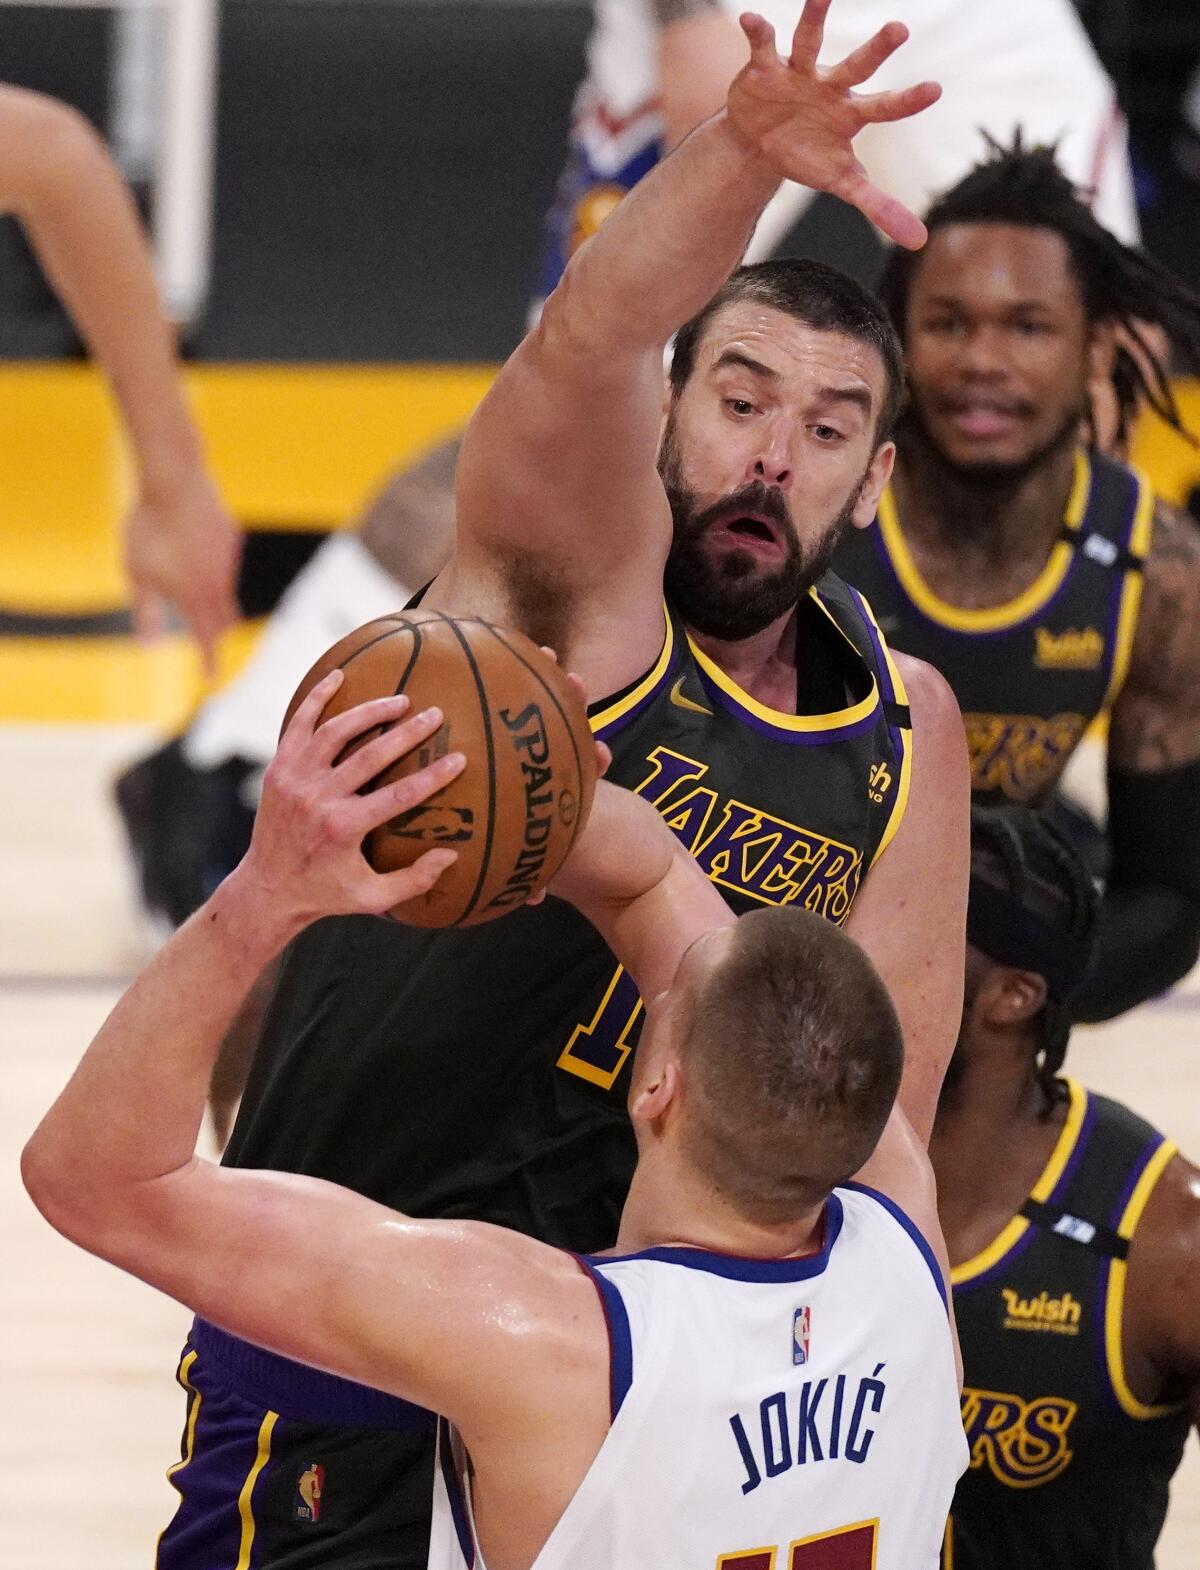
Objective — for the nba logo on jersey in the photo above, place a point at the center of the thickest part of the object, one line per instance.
(800, 1330)
(310, 1486)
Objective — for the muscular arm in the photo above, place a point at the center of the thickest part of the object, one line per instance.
(1161, 1331)
(910, 915)
(559, 502)
(1150, 918)
(58, 180)
(446, 1314)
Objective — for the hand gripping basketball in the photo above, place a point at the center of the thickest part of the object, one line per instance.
(306, 853)
(516, 808)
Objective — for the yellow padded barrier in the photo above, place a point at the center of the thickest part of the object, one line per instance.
(291, 445)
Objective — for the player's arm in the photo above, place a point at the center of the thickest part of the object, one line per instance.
(1150, 916)
(637, 885)
(557, 481)
(57, 178)
(910, 914)
(1161, 1331)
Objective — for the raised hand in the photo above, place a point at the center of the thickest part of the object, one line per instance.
(306, 856)
(802, 118)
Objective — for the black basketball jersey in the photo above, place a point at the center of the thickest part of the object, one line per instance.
(1031, 675)
(479, 1073)
(1067, 1467)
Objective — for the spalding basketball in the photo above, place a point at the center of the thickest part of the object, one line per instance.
(515, 810)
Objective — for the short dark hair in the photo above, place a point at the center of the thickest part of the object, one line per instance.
(1021, 852)
(1024, 186)
(820, 297)
(793, 1055)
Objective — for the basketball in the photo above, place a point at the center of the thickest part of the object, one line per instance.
(513, 813)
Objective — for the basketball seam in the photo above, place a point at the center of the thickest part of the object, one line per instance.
(401, 624)
(481, 690)
(553, 696)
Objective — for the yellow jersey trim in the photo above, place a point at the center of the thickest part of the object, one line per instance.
(1016, 1229)
(993, 618)
(1114, 1303)
(649, 681)
(900, 805)
(1131, 590)
(808, 723)
(246, 1497)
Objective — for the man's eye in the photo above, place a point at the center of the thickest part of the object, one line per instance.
(948, 326)
(825, 433)
(1028, 329)
(739, 406)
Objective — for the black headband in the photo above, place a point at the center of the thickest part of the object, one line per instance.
(1003, 929)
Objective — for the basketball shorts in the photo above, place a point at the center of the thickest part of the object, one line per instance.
(284, 1468)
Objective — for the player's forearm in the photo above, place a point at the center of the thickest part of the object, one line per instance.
(131, 1112)
(639, 888)
(1149, 939)
(59, 181)
(666, 250)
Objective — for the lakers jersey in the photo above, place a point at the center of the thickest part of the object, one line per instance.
(796, 1413)
(483, 1073)
(1031, 675)
(1067, 1465)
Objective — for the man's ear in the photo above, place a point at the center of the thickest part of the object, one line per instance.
(1013, 997)
(879, 472)
(658, 1092)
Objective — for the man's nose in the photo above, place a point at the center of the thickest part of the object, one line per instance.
(772, 465)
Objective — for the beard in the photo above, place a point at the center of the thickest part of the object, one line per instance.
(735, 597)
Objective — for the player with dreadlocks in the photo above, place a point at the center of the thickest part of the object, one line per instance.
(1039, 576)
(1073, 1229)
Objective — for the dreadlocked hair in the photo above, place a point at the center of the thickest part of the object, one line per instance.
(1020, 852)
(1024, 185)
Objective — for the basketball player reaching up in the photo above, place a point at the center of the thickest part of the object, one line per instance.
(1040, 578)
(759, 712)
(769, 1356)
(57, 179)
(1073, 1228)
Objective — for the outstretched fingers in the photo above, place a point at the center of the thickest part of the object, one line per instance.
(877, 108)
(761, 38)
(884, 211)
(862, 63)
(307, 717)
(809, 35)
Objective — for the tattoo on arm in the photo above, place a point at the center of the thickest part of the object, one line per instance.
(1156, 718)
(666, 11)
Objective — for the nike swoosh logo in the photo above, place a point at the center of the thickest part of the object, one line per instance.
(680, 702)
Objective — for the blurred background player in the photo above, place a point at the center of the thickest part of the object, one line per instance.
(1038, 576)
(654, 70)
(1074, 1233)
(591, 1401)
(58, 180)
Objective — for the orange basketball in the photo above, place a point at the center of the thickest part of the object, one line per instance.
(513, 813)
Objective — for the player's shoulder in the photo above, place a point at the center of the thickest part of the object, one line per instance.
(937, 724)
(1168, 1231)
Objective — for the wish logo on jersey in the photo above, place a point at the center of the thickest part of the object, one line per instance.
(1057, 1314)
(747, 850)
(1022, 1443)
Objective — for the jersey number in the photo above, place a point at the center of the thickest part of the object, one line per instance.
(597, 1051)
(846, 1548)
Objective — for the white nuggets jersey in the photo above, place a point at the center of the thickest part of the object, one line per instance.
(795, 1414)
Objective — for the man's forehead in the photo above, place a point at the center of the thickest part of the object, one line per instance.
(1018, 261)
(787, 346)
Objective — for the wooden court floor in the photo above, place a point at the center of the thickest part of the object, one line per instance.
(89, 1414)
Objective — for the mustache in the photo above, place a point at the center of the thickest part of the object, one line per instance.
(765, 501)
